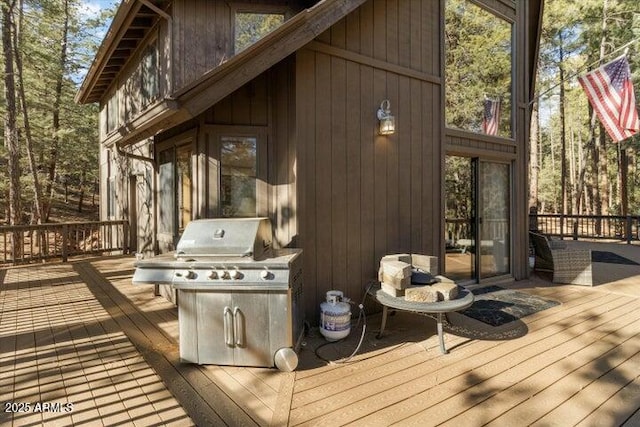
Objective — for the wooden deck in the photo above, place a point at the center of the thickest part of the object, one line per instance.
(80, 345)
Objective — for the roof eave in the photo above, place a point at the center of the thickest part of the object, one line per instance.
(125, 12)
(242, 68)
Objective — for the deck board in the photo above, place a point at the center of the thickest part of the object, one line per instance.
(241, 402)
(437, 379)
(190, 385)
(534, 383)
(81, 332)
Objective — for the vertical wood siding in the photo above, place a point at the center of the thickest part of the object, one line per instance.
(283, 206)
(362, 195)
(337, 189)
(267, 101)
(203, 35)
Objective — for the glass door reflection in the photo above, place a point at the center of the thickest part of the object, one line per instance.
(460, 262)
(494, 204)
(477, 218)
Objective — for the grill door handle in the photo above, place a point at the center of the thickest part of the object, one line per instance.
(228, 327)
(237, 326)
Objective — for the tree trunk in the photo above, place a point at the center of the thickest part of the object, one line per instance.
(10, 127)
(563, 139)
(81, 197)
(94, 193)
(37, 190)
(623, 164)
(55, 143)
(600, 190)
(603, 176)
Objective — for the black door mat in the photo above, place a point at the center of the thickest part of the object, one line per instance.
(497, 306)
(610, 258)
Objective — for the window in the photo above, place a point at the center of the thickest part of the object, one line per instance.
(111, 198)
(183, 185)
(478, 70)
(112, 112)
(175, 174)
(149, 74)
(111, 187)
(166, 214)
(238, 176)
(252, 26)
(142, 87)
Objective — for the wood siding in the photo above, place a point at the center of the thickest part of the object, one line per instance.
(267, 102)
(334, 187)
(203, 34)
(126, 87)
(362, 195)
(263, 107)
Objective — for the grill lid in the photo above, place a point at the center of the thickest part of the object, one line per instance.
(248, 237)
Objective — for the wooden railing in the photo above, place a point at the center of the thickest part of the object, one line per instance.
(28, 243)
(625, 228)
(461, 228)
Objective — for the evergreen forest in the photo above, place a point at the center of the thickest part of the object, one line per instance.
(49, 154)
(575, 167)
(50, 143)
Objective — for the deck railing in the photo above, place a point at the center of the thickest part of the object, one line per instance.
(28, 243)
(612, 227)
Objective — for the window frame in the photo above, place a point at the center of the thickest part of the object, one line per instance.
(113, 113)
(186, 139)
(272, 9)
(215, 134)
(144, 76)
(110, 187)
(509, 20)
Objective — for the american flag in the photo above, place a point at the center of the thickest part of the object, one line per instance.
(611, 95)
(491, 116)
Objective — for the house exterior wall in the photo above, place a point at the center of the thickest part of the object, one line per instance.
(126, 90)
(330, 184)
(199, 46)
(513, 151)
(263, 107)
(363, 195)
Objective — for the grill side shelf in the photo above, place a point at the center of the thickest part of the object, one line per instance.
(156, 276)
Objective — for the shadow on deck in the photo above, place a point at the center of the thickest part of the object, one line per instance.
(80, 345)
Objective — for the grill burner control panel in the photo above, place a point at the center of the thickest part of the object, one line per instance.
(228, 275)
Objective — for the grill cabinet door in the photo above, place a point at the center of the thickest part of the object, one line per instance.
(251, 317)
(215, 341)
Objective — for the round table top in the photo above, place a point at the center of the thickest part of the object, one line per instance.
(464, 300)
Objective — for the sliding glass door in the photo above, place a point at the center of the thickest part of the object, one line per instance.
(477, 218)
(494, 209)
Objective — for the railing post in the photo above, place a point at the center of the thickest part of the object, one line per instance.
(125, 237)
(65, 242)
(627, 229)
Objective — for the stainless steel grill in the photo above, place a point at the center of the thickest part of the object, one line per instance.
(239, 300)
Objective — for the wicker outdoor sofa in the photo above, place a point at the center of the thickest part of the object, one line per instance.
(567, 265)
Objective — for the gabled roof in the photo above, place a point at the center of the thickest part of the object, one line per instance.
(217, 83)
(129, 27)
(220, 81)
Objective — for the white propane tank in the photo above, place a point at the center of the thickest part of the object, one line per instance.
(335, 317)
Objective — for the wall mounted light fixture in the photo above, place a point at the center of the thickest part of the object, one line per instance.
(387, 121)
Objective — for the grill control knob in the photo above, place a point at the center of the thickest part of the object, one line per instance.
(266, 275)
(190, 275)
(234, 274)
(225, 275)
(213, 275)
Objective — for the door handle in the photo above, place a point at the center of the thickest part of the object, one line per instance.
(237, 326)
(228, 326)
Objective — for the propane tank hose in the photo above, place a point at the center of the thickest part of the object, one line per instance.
(361, 317)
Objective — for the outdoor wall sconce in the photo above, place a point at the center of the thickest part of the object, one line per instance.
(387, 121)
